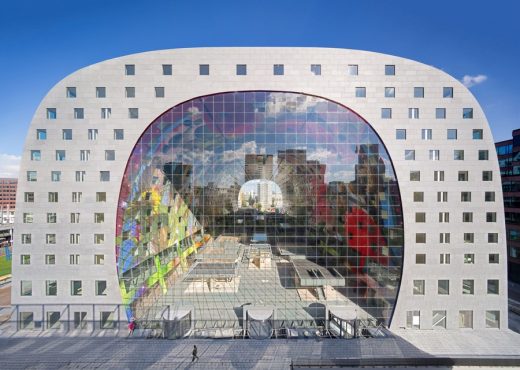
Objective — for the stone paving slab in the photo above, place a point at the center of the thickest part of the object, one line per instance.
(120, 353)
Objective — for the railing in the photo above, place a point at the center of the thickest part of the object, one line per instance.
(111, 320)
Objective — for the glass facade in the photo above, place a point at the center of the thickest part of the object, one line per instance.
(276, 200)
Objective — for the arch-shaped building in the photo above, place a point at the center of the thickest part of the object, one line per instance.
(389, 211)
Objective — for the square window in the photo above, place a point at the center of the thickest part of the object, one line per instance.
(28, 218)
(440, 113)
(439, 319)
(418, 196)
(66, 134)
(468, 286)
(51, 287)
(420, 258)
(133, 113)
(99, 259)
(452, 134)
(159, 92)
(463, 176)
(51, 113)
(50, 259)
(465, 319)
(361, 92)
(29, 197)
(352, 70)
(99, 218)
(204, 69)
(80, 320)
(60, 155)
(426, 134)
(167, 69)
(489, 196)
(316, 69)
(119, 134)
(36, 155)
(443, 287)
(278, 69)
(76, 196)
(41, 134)
(420, 238)
(447, 92)
(74, 218)
(438, 175)
(418, 287)
(389, 92)
(413, 113)
(130, 92)
(71, 92)
(84, 155)
(444, 217)
(50, 238)
(418, 92)
(110, 155)
(467, 113)
(53, 319)
(442, 196)
(26, 288)
(409, 155)
(106, 113)
(415, 175)
(487, 176)
(445, 258)
(75, 288)
(467, 216)
(74, 259)
(25, 259)
(444, 238)
(31, 176)
(241, 69)
(92, 133)
(494, 258)
(458, 155)
(493, 287)
(99, 238)
(420, 217)
(107, 320)
(129, 69)
(101, 92)
(104, 176)
(51, 218)
(469, 258)
(469, 238)
(483, 155)
(101, 287)
(465, 196)
(26, 238)
(389, 70)
(101, 196)
(478, 134)
(491, 217)
(400, 134)
(53, 196)
(80, 176)
(386, 113)
(434, 155)
(493, 319)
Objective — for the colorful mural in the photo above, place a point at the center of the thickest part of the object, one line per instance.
(341, 202)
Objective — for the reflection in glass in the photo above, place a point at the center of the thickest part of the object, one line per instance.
(259, 199)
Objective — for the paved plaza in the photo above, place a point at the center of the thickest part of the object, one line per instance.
(19, 351)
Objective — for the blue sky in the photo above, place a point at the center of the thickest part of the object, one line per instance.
(43, 41)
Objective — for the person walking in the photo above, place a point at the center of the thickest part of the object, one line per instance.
(131, 326)
(194, 353)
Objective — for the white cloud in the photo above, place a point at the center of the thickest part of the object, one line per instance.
(470, 81)
(9, 165)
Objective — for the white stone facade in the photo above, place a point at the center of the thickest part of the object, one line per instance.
(333, 83)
